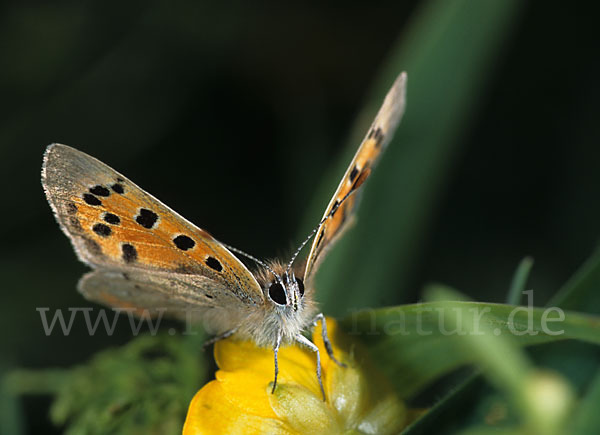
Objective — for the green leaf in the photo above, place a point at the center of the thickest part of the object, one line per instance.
(11, 415)
(581, 291)
(414, 345)
(587, 419)
(542, 399)
(519, 281)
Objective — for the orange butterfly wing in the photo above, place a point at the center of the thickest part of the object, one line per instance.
(115, 225)
(340, 208)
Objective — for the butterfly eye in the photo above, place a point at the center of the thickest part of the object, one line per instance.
(277, 294)
(300, 286)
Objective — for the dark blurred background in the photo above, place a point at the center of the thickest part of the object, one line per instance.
(240, 116)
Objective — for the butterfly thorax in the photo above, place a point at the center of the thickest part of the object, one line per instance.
(288, 307)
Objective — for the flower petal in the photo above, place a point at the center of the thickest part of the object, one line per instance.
(212, 412)
(303, 411)
(297, 365)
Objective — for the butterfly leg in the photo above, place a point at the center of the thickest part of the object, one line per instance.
(219, 337)
(275, 352)
(326, 341)
(306, 342)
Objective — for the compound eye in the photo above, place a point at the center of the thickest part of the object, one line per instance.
(300, 286)
(277, 293)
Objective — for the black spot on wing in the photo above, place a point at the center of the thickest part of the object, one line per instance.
(102, 230)
(146, 218)
(321, 237)
(111, 218)
(100, 190)
(71, 208)
(335, 207)
(75, 224)
(118, 188)
(213, 263)
(362, 176)
(92, 246)
(353, 174)
(91, 199)
(377, 135)
(129, 252)
(184, 242)
(185, 269)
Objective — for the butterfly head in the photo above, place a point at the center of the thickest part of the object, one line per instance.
(286, 301)
(283, 289)
(288, 305)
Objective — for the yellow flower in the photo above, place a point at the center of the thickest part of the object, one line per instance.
(239, 400)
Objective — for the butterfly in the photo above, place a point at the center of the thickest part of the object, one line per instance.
(148, 258)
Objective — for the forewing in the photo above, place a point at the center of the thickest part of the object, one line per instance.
(340, 210)
(113, 224)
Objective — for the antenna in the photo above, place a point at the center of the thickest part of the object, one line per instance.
(355, 186)
(357, 183)
(256, 260)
